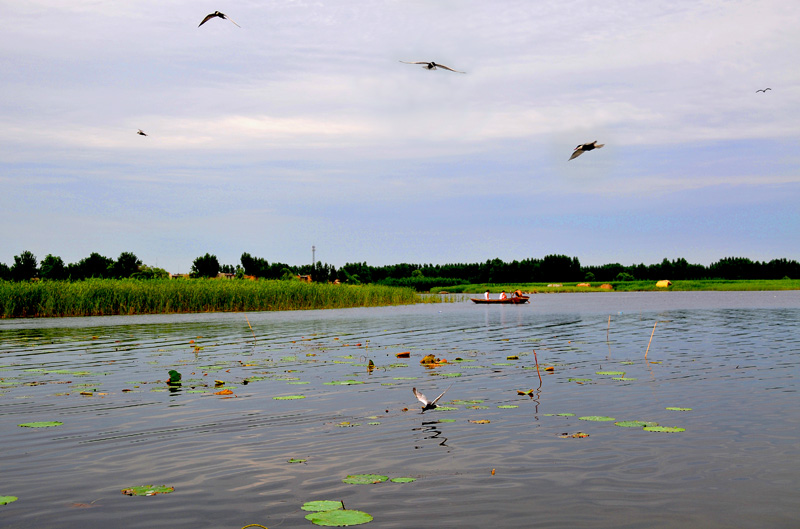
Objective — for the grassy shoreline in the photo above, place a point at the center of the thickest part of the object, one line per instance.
(104, 297)
(629, 286)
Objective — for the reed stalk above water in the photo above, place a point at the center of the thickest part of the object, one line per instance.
(103, 297)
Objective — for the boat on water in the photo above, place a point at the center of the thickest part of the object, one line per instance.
(512, 300)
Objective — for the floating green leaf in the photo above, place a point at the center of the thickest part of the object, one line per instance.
(579, 380)
(40, 424)
(565, 414)
(148, 490)
(7, 499)
(293, 460)
(623, 379)
(339, 518)
(447, 420)
(614, 373)
(322, 505)
(403, 480)
(598, 418)
(365, 479)
(664, 429)
(635, 424)
(451, 374)
(290, 397)
(507, 406)
(673, 408)
(444, 408)
(343, 382)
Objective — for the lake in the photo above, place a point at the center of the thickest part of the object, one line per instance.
(489, 456)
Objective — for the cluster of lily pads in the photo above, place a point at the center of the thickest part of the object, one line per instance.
(648, 426)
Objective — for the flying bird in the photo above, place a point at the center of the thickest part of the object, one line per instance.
(764, 90)
(428, 404)
(432, 65)
(580, 149)
(140, 132)
(217, 14)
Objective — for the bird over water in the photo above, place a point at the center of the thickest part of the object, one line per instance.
(432, 65)
(217, 14)
(763, 90)
(580, 149)
(428, 404)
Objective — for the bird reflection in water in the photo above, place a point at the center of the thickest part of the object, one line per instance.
(431, 430)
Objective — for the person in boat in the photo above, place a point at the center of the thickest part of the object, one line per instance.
(486, 295)
(503, 295)
(517, 293)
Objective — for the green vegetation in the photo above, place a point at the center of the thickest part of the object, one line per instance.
(630, 286)
(96, 297)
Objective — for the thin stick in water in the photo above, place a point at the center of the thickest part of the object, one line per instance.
(651, 340)
(609, 326)
(251, 328)
(537, 367)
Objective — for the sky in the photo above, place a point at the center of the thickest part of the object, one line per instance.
(302, 129)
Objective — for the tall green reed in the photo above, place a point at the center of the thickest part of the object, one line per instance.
(98, 297)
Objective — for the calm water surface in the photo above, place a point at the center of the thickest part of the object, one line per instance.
(731, 357)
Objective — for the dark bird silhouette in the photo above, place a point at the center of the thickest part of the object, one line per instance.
(140, 132)
(580, 149)
(432, 65)
(764, 90)
(428, 404)
(223, 16)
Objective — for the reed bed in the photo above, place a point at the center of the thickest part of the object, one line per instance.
(104, 297)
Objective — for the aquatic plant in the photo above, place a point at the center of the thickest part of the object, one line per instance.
(101, 297)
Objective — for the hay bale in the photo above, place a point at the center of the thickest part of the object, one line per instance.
(607, 286)
(664, 283)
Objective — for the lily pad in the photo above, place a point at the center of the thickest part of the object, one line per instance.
(451, 375)
(613, 373)
(7, 499)
(402, 480)
(343, 382)
(148, 490)
(447, 420)
(322, 505)
(623, 379)
(339, 518)
(507, 406)
(40, 424)
(598, 418)
(365, 479)
(664, 429)
(293, 460)
(673, 408)
(635, 424)
(290, 397)
(579, 380)
(444, 408)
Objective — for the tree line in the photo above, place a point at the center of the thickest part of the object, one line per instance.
(550, 269)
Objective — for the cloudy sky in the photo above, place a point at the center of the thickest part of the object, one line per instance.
(303, 128)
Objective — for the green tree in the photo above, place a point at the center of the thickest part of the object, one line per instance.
(25, 267)
(5, 272)
(95, 265)
(148, 272)
(126, 265)
(52, 267)
(205, 266)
